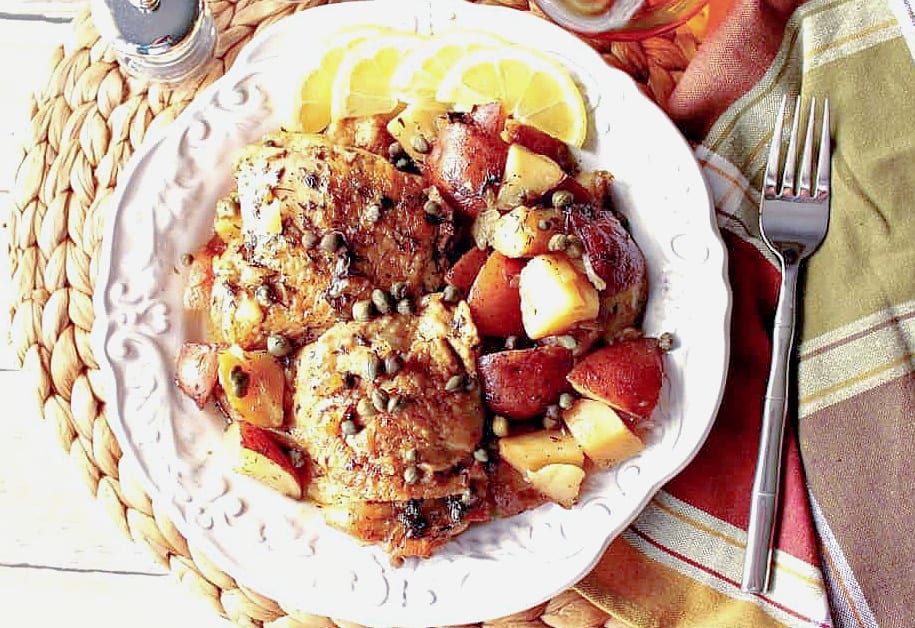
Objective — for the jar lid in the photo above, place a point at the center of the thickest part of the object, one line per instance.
(145, 27)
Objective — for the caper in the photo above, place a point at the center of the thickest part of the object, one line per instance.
(575, 250)
(567, 342)
(362, 310)
(454, 383)
(451, 294)
(239, 381)
(666, 341)
(365, 408)
(309, 239)
(405, 307)
(349, 428)
(411, 455)
(544, 225)
(373, 367)
(297, 458)
(558, 242)
(420, 144)
(330, 242)
(381, 302)
(481, 455)
(511, 342)
(394, 149)
(566, 400)
(402, 163)
(392, 364)
(553, 412)
(372, 213)
(411, 474)
(395, 403)
(500, 426)
(264, 295)
(562, 198)
(432, 208)
(398, 290)
(187, 259)
(380, 400)
(279, 346)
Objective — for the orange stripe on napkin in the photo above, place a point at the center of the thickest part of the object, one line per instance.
(648, 594)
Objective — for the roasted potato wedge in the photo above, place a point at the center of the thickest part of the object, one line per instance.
(541, 143)
(494, 299)
(520, 384)
(626, 375)
(466, 165)
(253, 452)
(526, 231)
(197, 370)
(617, 260)
(466, 269)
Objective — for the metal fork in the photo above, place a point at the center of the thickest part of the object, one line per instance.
(793, 223)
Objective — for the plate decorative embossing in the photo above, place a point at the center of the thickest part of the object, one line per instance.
(164, 206)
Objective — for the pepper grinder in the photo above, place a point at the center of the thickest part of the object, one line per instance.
(166, 41)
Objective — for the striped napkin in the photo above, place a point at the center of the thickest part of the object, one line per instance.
(846, 537)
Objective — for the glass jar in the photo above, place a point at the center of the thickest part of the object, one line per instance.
(621, 19)
(167, 41)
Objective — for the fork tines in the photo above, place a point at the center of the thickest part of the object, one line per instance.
(788, 177)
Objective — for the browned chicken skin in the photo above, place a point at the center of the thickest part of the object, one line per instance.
(415, 445)
(347, 222)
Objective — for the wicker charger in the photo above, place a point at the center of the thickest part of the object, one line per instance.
(86, 124)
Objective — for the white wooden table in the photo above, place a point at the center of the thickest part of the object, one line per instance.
(62, 561)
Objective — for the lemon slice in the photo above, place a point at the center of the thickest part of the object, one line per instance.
(418, 76)
(311, 110)
(533, 88)
(362, 86)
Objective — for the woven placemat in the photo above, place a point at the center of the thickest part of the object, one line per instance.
(85, 125)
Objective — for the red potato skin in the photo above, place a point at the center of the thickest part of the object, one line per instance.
(466, 269)
(626, 375)
(541, 143)
(494, 298)
(489, 118)
(197, 371)
(521, 384)
(614, 255)
(466, 163)
(618, 260)
(260, 440)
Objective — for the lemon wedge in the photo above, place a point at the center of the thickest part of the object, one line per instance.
(311, 110)
(419, 74)
(533, 88)
(362, 86)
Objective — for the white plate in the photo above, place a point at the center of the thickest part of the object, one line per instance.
(281, 548)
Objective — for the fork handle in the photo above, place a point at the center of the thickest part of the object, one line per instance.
(764, 500)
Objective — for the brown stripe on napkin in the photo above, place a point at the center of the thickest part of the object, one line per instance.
(864, 480)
